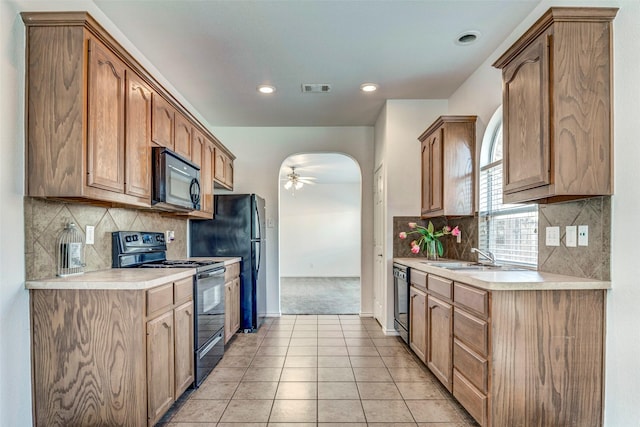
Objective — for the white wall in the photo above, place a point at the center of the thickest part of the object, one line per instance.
(260, 152)
(15, 363)
(398, 127)
(481, 94)
(320, 231)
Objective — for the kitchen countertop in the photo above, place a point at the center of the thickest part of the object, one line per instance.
(123, 278)
(492, 280)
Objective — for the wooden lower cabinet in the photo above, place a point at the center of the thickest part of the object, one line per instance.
(232, 301)
(160, 366)
(110, 357)
(184, 362)
(418, 322)
(515, 357)
(439, 343)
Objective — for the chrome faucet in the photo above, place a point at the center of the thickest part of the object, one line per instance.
(487, 254)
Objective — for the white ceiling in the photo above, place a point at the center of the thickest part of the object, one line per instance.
(215, 52)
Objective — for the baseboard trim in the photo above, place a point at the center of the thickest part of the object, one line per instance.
(276, 314)
(366, 314)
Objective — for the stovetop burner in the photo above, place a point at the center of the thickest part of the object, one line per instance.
(177, 263)
(149, 250)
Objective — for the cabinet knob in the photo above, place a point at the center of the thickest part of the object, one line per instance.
(166, 325)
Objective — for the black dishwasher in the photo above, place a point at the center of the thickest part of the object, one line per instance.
(401, 300)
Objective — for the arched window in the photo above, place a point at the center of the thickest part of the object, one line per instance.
(510, 231)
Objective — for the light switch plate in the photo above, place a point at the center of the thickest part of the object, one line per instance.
(571, 233)
(90, 235)
(553, 236)
(583, 235)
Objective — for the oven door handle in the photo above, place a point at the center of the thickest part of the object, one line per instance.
(206, 350)
(217, 272)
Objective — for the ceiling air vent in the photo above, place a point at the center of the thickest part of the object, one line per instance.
(316, 88)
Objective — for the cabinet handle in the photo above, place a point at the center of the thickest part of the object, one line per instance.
(166, 325)
(188, 312)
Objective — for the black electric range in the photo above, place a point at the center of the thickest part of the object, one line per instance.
(143, 249)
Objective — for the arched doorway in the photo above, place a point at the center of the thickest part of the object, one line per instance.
(319, 226)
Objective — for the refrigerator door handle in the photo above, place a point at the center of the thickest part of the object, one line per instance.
(259, 256)
(258, 221)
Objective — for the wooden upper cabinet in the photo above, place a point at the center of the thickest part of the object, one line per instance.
(206, 177)
(106, 100)
(93, 113)
(223, 169)
(183, 131)
(557, 81)
(448, 172)
(138, 138)
(163, 121)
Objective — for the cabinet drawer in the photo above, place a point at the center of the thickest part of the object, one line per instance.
(472, 331)
(159, 299)
(418, 279)
(440, 286)
(471, 365)
(183, 290)
(473, 400)
(474, 299)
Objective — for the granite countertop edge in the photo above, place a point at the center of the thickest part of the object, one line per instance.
(122, 278)
(521, 280)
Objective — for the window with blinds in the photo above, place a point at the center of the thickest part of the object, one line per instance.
(509, 231)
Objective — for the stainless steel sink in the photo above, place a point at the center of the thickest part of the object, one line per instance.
(472, 266)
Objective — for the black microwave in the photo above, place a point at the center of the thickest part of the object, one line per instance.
(176, 181)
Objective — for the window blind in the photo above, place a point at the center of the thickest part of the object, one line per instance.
(510, 231)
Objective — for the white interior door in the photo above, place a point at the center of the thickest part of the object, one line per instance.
(378, 242)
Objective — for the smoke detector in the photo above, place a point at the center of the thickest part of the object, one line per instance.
(316, 88)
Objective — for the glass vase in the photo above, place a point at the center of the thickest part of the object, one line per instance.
(431, 251)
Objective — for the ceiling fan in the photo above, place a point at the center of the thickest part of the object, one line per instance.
(296, 181)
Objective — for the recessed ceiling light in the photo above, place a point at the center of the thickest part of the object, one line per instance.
(368, 87)
(467, 38)
(266, 89)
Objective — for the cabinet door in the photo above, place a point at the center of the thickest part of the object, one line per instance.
(228, 173)
(439, 340)
(138, 141)
(236, 306)
(206, 177)
(526, 113)
(417, 324)
(184, 373)
(162, 121)
(183, 136)
(228, 311)
(220, 165)
(160, 366)
(436, 183)
(105, 133)
(426, 196)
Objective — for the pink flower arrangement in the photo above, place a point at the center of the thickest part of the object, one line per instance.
(427, 235)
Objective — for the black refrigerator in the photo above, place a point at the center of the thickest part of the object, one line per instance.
(238, 230)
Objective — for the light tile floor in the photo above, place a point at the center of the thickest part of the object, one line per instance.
(319, 370)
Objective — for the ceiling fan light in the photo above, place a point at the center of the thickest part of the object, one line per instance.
(287, 185)
(299, 185)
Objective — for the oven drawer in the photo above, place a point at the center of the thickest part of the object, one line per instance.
(183, 290)
(159, 300)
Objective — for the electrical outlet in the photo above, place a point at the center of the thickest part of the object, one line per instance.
(553, 236)
(89, 235)
(571, 236)
(583, 235)
(459, 237)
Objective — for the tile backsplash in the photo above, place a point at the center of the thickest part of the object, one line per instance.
(45, 219)
(592, 261)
